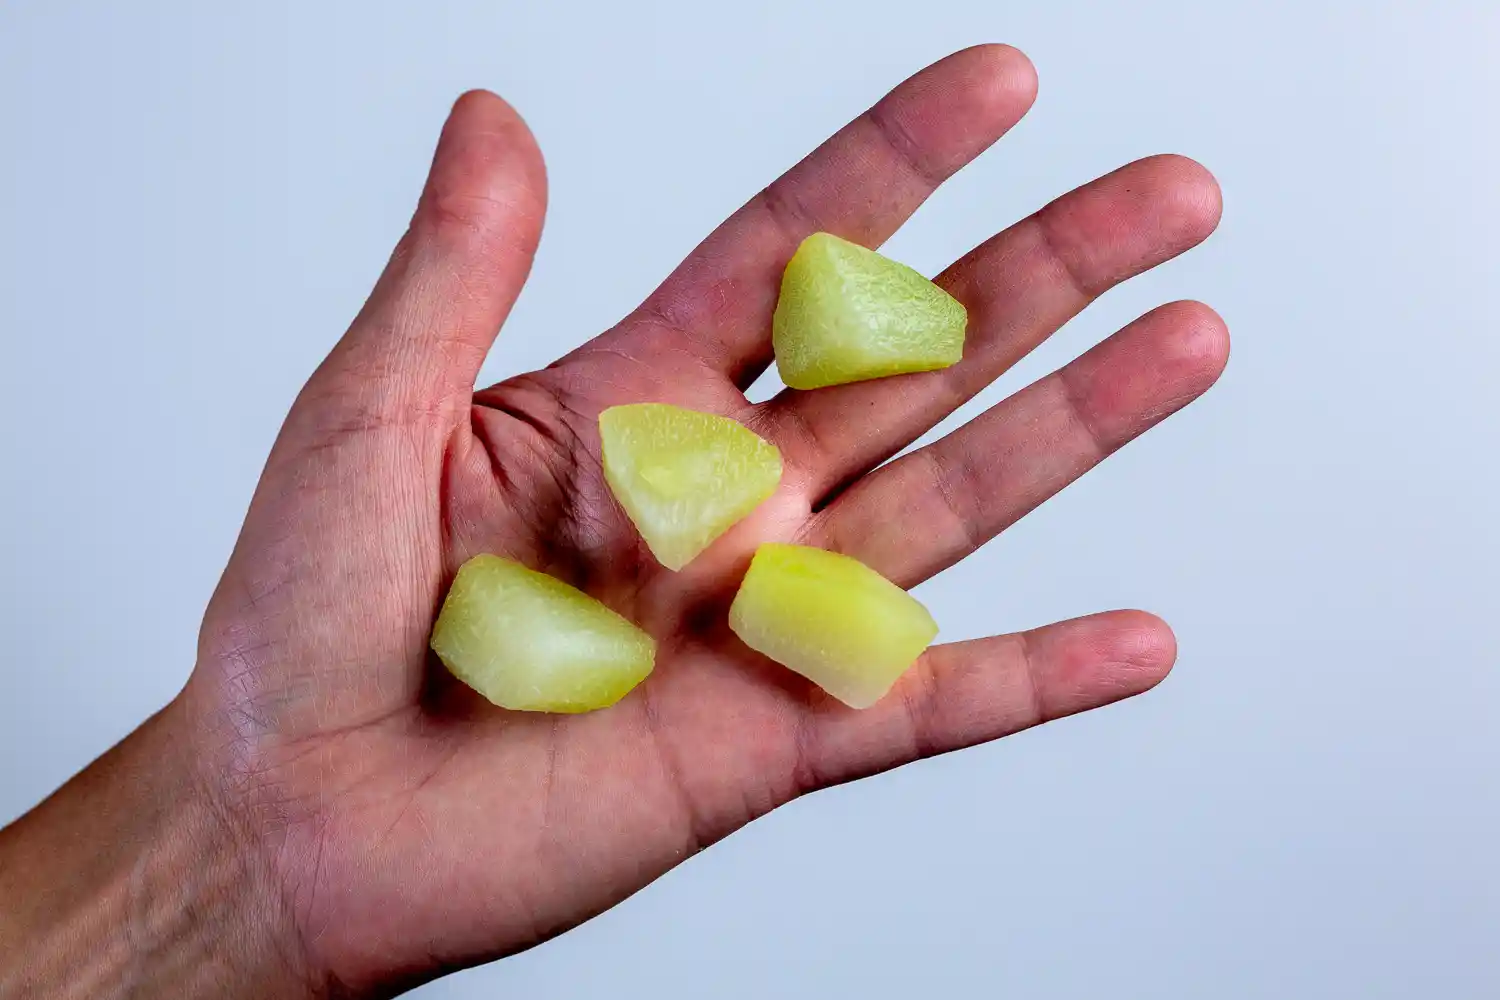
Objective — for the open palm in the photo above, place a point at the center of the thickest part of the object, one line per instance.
(409, 825)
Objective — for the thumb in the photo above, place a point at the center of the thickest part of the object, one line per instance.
(415, 349)
(330, 526)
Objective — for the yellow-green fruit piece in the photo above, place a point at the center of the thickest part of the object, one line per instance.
(847, 314)
(684, 477)
(832, 619)
(530, 642)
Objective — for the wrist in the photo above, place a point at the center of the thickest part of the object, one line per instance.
(132, 881)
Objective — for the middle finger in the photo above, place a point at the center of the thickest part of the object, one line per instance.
(1020, 287)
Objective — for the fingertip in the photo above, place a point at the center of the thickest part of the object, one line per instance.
(1132, 652)
(478, 97)
(1195, 192)
(482, 112)
(480, 107)
(1138, 640)
(1010, 71)
(488, 181)
(1206, 338)
(959, 105)
(1197, 341)
(1103, 658)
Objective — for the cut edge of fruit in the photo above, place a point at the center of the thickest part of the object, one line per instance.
(675, 553)
(626, 673)
(812, 253)
(780, 557)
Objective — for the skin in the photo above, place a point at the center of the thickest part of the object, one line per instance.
(324, 812)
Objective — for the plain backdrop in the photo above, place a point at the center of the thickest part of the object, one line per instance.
(194, 199)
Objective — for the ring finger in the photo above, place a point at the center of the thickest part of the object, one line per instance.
(927, 510)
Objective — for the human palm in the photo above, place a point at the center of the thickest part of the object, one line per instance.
(408, 825)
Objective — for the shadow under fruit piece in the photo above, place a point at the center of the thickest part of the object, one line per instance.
(847, 314)
(530, 642)
(832, 619)
(684, 477)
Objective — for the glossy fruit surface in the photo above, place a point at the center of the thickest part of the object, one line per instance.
(832, 619)
(847, 314)
(684, 477)
(528, 641)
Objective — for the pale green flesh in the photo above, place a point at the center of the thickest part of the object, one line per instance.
(847, 314)
(832, 619)
(530, 642)
(684, 477)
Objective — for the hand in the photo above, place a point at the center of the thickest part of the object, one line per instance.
(400, 825)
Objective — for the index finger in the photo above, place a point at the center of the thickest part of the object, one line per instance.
(861, 184)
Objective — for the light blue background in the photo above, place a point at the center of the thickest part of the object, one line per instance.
(194, 199)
